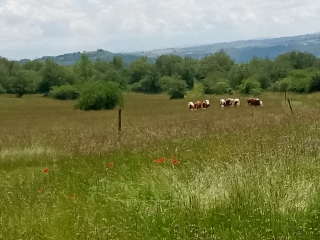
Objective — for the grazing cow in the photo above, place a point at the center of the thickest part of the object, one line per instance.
(197, 105)
(255, 102)
(191, 106)
(236, 102)
(222, 103)
(229, 102)
(205, 104)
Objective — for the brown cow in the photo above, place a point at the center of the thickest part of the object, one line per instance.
(255, 102)
(197, 105)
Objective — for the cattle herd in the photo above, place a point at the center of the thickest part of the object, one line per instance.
(229, 102)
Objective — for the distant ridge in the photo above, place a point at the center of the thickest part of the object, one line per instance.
(244, 50)
(240, 51)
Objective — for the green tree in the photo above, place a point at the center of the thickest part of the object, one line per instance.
(138, 69)
(150, 83)
(167, 64)
(187, 70)
(117, 62)
(297, 59)
(218, 62)
(237, 74)
(23, 82)
(52, 75)
(84, 68)
(34, 65)
(98, 95)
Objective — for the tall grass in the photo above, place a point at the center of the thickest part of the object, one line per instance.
(238, 176)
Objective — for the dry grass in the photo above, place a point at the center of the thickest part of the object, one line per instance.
(35, 121)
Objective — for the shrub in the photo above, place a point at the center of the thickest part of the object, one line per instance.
(249, 85)
(64, 92)
(2, 90)
(136, 87)
(100, 95)
(315, 83)
(177, 88)
(211, 87)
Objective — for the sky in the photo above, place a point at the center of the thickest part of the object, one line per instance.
(35, 28)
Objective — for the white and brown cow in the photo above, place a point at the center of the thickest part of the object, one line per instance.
(229, 102)
(236, 102)
(255, 102)
(222, 103)
(205, 104)
(191, 106)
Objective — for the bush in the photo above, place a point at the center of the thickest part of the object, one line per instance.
(64, 92)
(136, 87)
(315, 83)
(177, 88)
(100, 95)
(249, 85)
(2, 90)
(211, 87)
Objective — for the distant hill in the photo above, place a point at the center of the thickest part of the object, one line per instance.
(243, 51)
(69, 59)
(240, 51)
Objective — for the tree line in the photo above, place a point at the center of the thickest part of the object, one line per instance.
(292, 71)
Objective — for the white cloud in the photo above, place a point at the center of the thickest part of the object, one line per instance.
(43, 27)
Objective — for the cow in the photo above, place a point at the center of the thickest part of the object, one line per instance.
(222, 103)
(255, 102)
(197, 105)
(236, 102)
(229, 102)
(205, 104)
(191, 106)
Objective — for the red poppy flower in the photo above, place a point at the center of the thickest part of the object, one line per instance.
(160, 160)
(110, 165)
(175, 161)
(46, 170)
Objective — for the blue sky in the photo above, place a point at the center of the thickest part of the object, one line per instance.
(36, 28)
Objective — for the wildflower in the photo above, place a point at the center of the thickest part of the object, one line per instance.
(41, 191)
(160, 160)
(175, 161)
(46, 170)
(110, 165)
(73, 196)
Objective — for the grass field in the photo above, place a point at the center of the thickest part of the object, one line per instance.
(237, 173)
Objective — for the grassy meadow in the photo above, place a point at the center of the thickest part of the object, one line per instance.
(236, 173)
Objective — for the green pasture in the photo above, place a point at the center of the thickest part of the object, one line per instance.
(236, 173)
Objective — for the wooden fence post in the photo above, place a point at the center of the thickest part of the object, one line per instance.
(290, 106)
(119, 121)
(285, 95)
